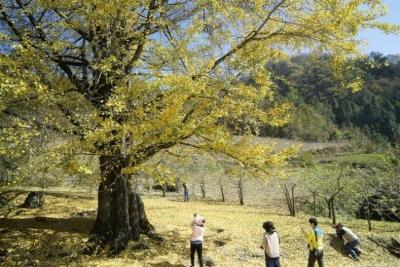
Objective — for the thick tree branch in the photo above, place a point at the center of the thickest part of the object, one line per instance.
(32, 20)
(236, 158)
(147, 27)
(9, 22)
(85, 35)
(40, 126)
(172, 41)
(249, 38)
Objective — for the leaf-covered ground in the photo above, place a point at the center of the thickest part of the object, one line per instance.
(55, 234)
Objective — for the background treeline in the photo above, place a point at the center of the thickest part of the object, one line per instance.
(326, 112)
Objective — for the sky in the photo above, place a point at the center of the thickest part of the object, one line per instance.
(380, 42)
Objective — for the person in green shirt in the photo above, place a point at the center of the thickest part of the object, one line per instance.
(314, 240)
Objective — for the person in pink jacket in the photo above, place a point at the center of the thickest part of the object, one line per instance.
(197, 239)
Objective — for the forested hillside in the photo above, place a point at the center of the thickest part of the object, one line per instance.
(327, 111)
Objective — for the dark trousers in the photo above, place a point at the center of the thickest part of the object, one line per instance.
(316, 256)
(186, 196)
(352, 248)
(199, 248)
(272, 262)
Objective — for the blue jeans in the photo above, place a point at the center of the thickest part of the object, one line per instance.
(186, 196)
(272, 262)
(352, 248)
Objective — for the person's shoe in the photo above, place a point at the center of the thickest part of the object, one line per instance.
(359, 252)
(351, 257)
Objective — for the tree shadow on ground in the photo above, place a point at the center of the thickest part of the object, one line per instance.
(60, 194)
(337, 244)
(173, 244)
(50, 241)
(51, 247)
(76, 224)
(173, 241)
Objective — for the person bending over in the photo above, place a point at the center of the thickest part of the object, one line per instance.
(350, 239)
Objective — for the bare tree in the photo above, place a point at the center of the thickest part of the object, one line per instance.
(314, 194)
(331, 195)
(203, 188)
(222, 190)
(288, 190)
(240, 190)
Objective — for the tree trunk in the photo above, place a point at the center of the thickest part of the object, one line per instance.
(293, 202)
(241, 191)
(369, 215)
(164, 189)
(203, 189)
(287, 197)
(333, 211)
(178, 185)
(328, 202)
(290, 198)
(120, 214)
(221, 186)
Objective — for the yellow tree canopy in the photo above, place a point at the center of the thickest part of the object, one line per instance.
(134, 77)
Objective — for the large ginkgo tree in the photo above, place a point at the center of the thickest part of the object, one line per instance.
(126, 79)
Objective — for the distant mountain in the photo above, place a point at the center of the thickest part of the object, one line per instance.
(325, 111)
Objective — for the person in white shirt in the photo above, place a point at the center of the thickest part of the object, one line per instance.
(197, 239)
(350, 239)
(271, 245)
